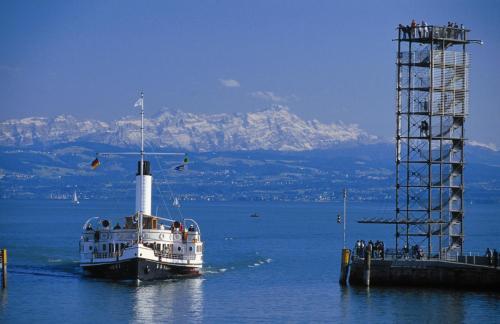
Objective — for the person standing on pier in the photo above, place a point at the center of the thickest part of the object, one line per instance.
(488, 255)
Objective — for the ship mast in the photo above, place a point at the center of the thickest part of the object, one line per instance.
(143, 176)
(141, 211)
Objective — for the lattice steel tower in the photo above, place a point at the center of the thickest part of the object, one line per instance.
(432, 104)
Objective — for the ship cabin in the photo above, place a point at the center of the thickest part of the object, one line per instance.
(167, 239)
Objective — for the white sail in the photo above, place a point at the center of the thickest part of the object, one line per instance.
(75, 198)
(176, 203)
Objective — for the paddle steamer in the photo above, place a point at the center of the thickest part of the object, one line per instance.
(144, 246)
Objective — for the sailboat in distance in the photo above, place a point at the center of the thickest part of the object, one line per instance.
(75, 198)
(176, 203)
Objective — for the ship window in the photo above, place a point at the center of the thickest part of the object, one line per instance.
(190, 248)
(90, 248)
(179, 248)
(104, 247)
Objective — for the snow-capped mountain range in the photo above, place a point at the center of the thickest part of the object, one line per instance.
(275, 128)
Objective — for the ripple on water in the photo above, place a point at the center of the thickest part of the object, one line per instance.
(55, 260)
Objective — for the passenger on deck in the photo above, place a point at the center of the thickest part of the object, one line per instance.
(89, 227)
(191, 228)
(117, 226)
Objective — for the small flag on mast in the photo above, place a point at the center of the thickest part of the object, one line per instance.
(139, 102)
(183, 165)
(95, 163)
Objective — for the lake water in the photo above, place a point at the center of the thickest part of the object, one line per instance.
(280, 267)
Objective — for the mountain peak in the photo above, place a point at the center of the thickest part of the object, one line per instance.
(64, 119)
(272, 128)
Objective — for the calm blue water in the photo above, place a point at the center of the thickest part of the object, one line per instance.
(281, 267)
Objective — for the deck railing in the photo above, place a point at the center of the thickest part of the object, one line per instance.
(103, 255)
(176, 256)
(474, 258)
(437, 32)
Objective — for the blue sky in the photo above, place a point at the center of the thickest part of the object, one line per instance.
(329, 60)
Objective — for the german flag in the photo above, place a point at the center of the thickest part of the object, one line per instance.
(95, 164)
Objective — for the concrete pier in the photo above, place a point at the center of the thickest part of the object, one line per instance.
(435, 273)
